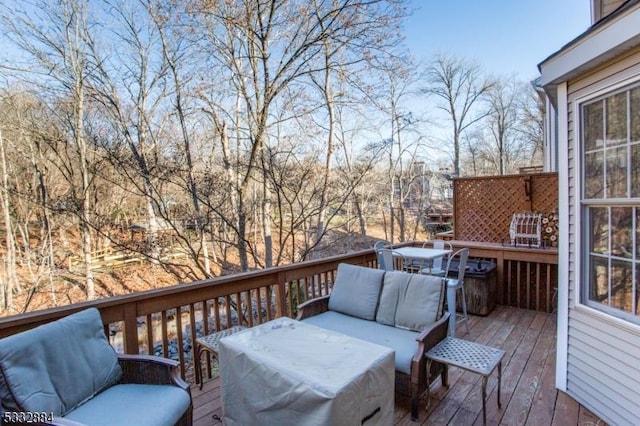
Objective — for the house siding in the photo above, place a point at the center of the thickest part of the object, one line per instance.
(603, 354)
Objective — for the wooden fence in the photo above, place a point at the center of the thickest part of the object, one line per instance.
(483, 206)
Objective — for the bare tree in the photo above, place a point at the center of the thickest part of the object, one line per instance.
(9, 279)
(459, 85)
(503, 118)
(175, 52)
(531, 121)
(510, 140)
(26, 188)
(266, 47)
(398, 79)
(56, 40)
(127, 86)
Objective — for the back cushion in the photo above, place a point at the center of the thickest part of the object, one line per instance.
(55, 367)
(410, 301)
(395, 284)
(356, 291)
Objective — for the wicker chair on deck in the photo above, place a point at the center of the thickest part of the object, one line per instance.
(66, 369)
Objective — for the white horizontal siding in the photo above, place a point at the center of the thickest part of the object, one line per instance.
(603, 359)
(593, 395)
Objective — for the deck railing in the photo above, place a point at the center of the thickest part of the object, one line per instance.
(527, 277)
(163, 321)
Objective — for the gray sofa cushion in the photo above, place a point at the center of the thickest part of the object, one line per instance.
(356, 291)
(410, 301)
(133, 404)
(55, 367)
(402, 341)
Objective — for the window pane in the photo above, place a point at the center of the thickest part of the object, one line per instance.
(635, 170)
(594, 175)
(617, 119)
(622, 238)
(600, 230)
(599, 288)
(621, 285)
(637, 233)
(593, 126)
(617, 172)
(635, 114)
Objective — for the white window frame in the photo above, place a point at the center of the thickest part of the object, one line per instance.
(582, 280)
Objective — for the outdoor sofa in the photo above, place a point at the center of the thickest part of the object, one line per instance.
(395, 309)
(65, 372)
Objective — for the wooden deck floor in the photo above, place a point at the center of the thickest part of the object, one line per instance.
(528, 393)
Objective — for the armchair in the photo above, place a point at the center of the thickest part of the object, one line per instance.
(68, 370)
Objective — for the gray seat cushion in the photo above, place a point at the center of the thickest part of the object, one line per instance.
(55, 367)
(410, 301)
(402, 341)
(356, 291)
(133, 404)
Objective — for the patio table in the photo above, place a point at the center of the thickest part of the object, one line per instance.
(421, 253)
(288, 372)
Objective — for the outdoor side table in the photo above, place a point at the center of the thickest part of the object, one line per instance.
(472, 357)
(209, 343)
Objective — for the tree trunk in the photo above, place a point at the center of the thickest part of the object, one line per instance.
(10, 278)
(36, 160)
(360, 214)
(329, 103)
(85, 219)
(266, 220)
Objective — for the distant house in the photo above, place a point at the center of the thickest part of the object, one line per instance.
(593, 130)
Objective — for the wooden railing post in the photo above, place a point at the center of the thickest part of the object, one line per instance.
(130, 338)
(281, 295)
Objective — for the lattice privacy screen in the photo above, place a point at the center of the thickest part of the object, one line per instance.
(484, 206)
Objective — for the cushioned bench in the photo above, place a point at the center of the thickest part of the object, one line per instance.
(395, 309)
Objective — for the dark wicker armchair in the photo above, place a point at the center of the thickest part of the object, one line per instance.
(68, 373)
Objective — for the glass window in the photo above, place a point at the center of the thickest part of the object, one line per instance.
(600, 230)
(593, 126)
(635, 170)
(634, 106)
(594, 175)
(616, 121)
(616, 172)
(610, 154)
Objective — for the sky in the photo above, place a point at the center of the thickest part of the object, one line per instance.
(503, 36)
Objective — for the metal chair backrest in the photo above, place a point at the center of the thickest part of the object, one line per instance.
(438, 244)
(463, 256)
(387, 259)
(379, 245)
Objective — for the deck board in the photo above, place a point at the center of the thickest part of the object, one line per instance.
(528, 393)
